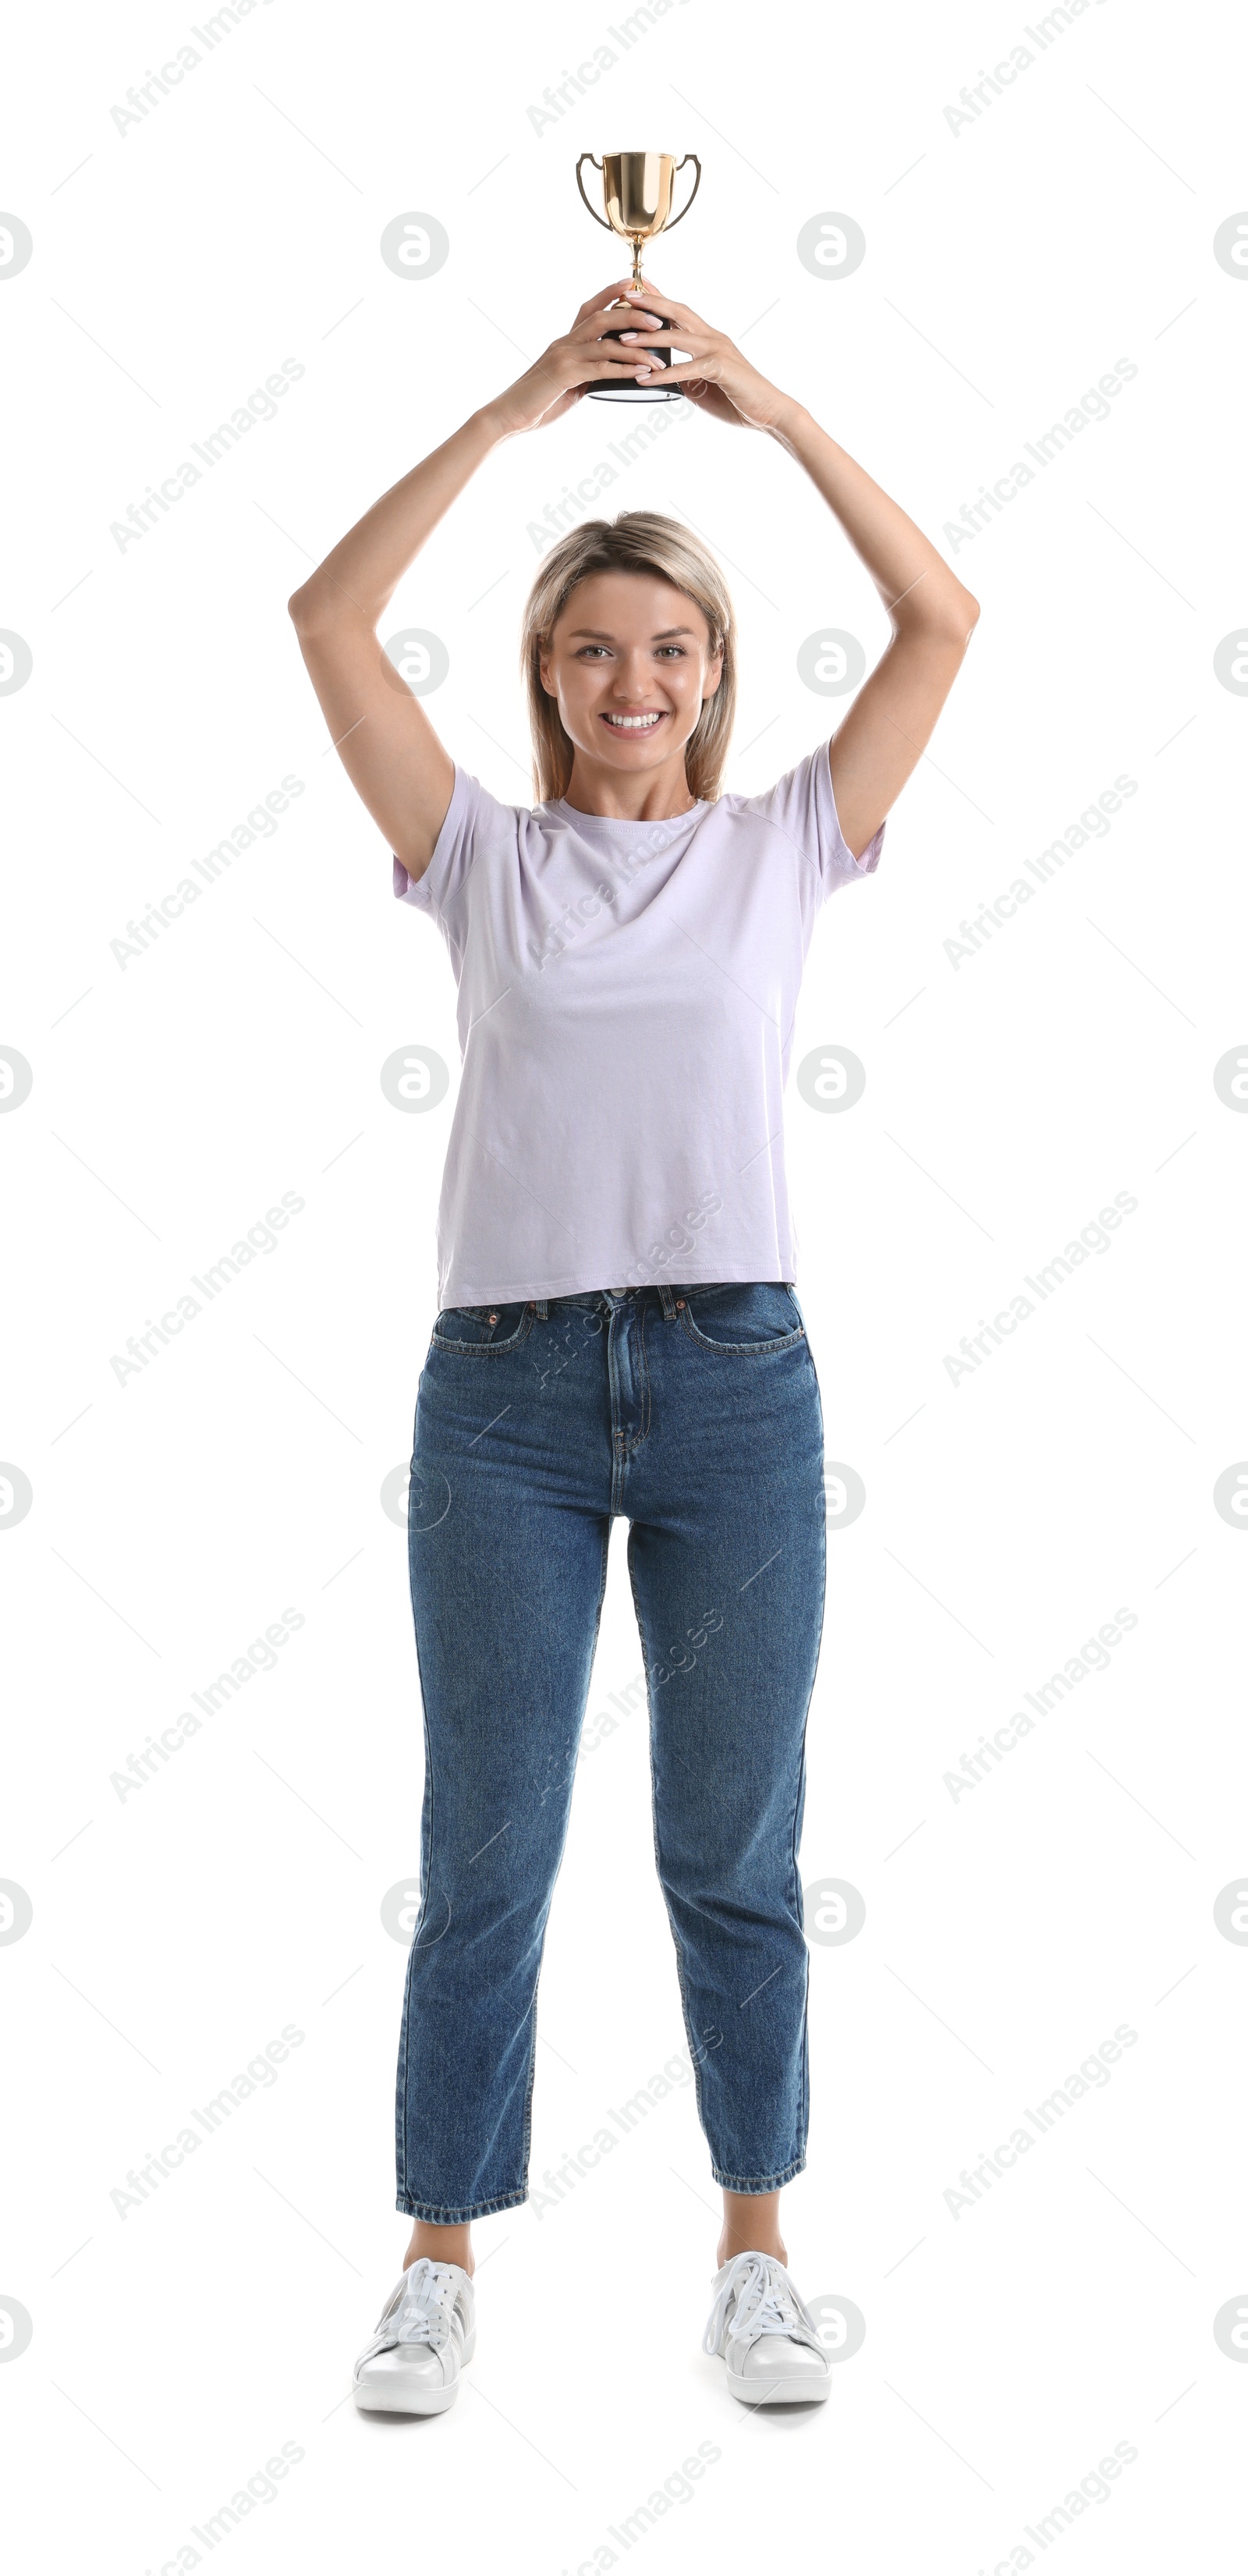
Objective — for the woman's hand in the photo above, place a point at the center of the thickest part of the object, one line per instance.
(714, 375)
(559, 377)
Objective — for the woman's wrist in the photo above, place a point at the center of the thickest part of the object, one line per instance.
(487, 426)
(788, 423)
(487, 421)
(495, 422)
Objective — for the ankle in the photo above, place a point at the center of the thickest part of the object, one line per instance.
(768, 2242)
(440, 2245)
(751, 2225)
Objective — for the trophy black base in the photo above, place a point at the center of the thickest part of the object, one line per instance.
(615, 389)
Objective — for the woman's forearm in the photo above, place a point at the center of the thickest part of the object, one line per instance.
(913, 580)
(362, 572)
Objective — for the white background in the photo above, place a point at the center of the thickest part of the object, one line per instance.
(1007, 1933)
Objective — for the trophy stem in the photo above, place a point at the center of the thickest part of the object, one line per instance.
(637, 241)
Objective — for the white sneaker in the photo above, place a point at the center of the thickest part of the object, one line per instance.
(426, 2332)
(766, 2334)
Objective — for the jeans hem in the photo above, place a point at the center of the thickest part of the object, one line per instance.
(759, 2183)
(434, 2215)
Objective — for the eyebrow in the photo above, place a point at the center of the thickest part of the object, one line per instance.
(603, 635)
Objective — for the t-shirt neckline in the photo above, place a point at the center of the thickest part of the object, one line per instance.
(625, 823)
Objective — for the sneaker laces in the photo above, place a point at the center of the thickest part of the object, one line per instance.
(422, 2309)
(758, 2298)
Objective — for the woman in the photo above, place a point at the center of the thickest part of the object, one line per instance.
(618, 1334)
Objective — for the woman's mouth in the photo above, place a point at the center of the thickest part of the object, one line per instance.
(636, 724)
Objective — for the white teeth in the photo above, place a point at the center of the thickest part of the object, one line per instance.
(634, 724)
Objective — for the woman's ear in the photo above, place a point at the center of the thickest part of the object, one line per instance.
(543, 673)
(714, 674)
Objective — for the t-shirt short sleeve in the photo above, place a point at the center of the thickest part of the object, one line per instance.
(803, 805)
(474, 821)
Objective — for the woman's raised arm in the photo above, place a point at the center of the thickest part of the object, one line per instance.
(893, 717)
(381, 733)
(389, 749)
(894, 714)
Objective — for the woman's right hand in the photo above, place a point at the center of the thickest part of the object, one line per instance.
(559, 377)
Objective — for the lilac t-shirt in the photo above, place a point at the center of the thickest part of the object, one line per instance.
(626, 1002)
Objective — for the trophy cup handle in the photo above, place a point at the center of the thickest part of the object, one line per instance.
(596, 165)
(679, 219)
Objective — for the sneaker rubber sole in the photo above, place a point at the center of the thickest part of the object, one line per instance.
(390, 2395)
(780, 2388)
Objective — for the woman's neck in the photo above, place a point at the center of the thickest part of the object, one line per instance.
(655, 796)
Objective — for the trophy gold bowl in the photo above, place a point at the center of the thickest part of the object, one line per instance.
(637, 189)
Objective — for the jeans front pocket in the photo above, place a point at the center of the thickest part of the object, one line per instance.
(483, 1332)
(742, 1319)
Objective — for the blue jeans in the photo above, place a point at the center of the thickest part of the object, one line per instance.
(694, 1413)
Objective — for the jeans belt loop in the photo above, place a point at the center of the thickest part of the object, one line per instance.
(669, 1302)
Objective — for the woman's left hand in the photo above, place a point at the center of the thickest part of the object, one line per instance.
(714, 374)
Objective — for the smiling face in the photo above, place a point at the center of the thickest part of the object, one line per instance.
(629, 664)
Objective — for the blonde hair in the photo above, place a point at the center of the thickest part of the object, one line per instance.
(639, 541)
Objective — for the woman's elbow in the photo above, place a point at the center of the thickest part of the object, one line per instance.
(953, 623)
(302, 607)
(965, 614)
(321, 607)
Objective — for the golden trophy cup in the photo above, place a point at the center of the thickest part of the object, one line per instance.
(637, 195)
